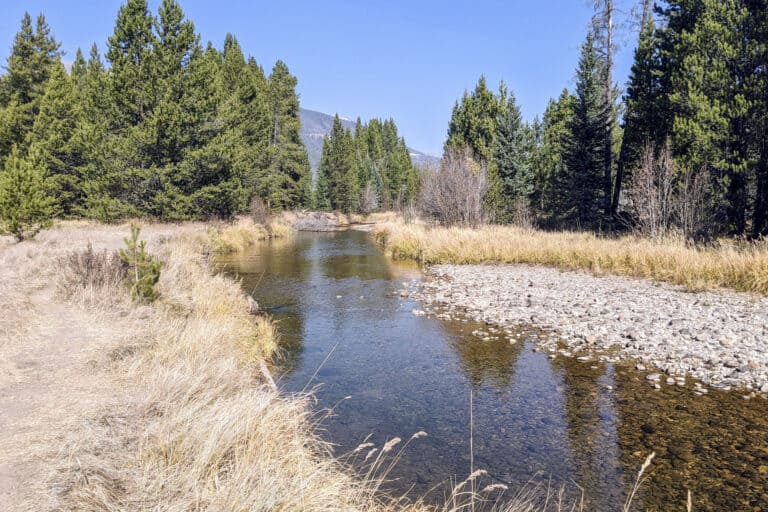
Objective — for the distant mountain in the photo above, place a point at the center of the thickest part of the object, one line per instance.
(316, 125)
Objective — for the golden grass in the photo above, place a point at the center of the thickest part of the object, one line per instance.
(241, 234)
(738, 266)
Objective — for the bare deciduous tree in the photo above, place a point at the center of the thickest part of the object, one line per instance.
(692, 210)
(663, 198)
(454, 193)
(651, 192)
(369, 202)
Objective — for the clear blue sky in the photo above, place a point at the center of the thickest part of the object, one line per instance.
(406, 59)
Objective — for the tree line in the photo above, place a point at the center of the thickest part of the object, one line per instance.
(365, 170)
(689, 134)
(166, 128)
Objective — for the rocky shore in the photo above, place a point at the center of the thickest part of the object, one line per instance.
(719, 338)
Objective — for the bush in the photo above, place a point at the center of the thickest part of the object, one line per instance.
(143, 270)
(454, 194)
(90, 270)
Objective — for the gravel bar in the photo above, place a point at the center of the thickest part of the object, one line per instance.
(717, 337)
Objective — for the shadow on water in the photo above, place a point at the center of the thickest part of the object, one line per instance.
(563, 419)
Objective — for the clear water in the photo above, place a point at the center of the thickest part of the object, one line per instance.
(391, 373)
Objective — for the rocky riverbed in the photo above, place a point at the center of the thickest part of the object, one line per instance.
(719, 338)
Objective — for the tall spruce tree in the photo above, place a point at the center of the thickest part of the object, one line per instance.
(53, 147)
(512, 160)
(707, 99)
(646, 108)
(289, 170)
(585, 144)
(33, 55)
(552, 179)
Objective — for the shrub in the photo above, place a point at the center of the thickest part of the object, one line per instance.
(90, 270)
(143, 270)
(454, 194)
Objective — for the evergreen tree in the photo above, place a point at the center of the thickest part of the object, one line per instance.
(289, 171)
(25, 206)
(474, 121)
(322, 196)
(338, 176)
(33, 55)
(646, 109)
(513, 146)
(708, 102)
(585, 143)
(52, 146)
(554, 179)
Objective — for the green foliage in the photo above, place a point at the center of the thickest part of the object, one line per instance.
(367, 170)
(33, 55)
(143, 270)
(289, 165)
(512, 161)
(25, 205)
(474, 121)
(338, 186)
(584, 156)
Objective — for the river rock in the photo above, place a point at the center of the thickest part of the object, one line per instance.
(253, 306)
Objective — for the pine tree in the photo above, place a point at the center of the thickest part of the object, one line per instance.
(52, 146)
(552, 180)
(33, 55)
(289, 168)
(646, 108)
(322, 196)
(585, 144)
(338, 177)
(474, 121)
(512, 160)
(25, 205)
(708, 101)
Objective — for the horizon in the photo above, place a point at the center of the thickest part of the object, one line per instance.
(448, 49)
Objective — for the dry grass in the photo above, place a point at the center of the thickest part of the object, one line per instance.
(738, 266)
(241, 234)
(205, 433)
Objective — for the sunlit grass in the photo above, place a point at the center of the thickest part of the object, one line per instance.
(726, 264)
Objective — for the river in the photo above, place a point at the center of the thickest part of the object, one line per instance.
(379, 371)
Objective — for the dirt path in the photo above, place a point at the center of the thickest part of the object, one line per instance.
(54, 368)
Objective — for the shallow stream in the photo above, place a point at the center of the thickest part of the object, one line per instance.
(385, 372)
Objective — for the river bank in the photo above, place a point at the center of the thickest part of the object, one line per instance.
(108, 404)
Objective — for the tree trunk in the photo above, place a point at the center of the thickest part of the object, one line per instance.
(760, 215)
(608, 151)
(647, 12)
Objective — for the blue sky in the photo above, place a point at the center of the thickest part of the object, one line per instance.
(409, 60)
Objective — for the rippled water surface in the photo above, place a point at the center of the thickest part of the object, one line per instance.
(565, 420)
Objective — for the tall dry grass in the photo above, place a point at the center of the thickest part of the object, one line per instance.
(240, 234)
(728, 264)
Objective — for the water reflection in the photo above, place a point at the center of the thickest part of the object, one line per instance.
(568, 420)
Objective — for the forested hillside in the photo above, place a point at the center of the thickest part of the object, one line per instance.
(316, 125)
(365, 169)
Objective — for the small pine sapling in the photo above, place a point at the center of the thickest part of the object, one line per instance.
(143, 270)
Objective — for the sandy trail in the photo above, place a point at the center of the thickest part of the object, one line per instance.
(54, 362)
